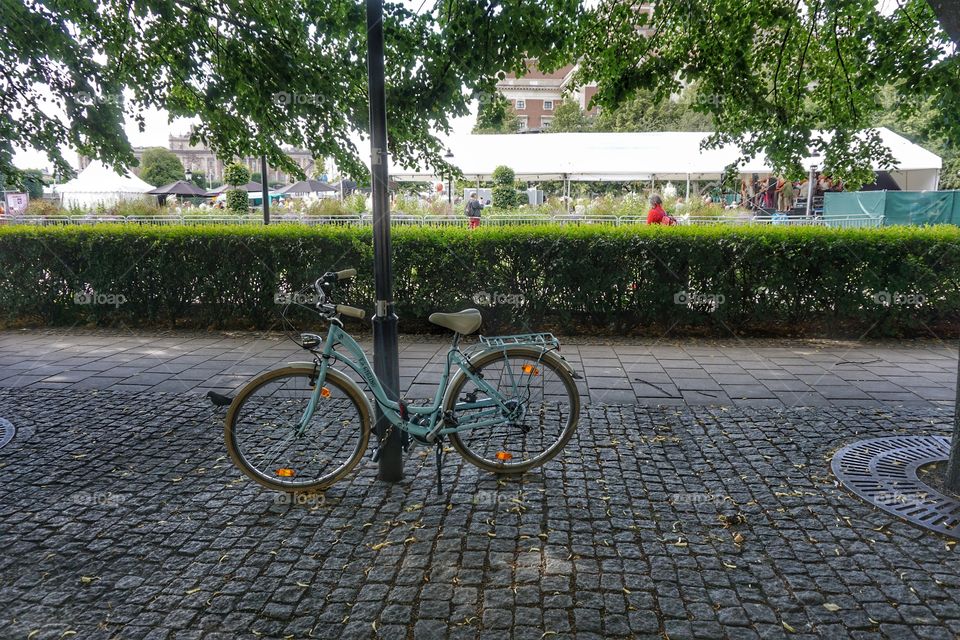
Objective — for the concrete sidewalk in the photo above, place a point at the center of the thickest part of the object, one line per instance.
(777, 373)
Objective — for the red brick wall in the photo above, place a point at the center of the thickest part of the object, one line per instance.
(534, 111)
(588, 93)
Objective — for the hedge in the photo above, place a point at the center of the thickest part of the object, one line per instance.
(598, 279)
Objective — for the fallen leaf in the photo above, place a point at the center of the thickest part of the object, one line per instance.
(829, 606)
(788, 627)
(88, 579)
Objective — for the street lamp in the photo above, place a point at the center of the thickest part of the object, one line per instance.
(386, 362)
(188, 175)
(449, 156)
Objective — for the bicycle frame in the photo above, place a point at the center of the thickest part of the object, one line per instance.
(493, 407)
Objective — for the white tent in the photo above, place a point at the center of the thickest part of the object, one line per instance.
(622, 157)
(99, 184)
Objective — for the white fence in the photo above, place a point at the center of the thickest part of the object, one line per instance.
(401, 219)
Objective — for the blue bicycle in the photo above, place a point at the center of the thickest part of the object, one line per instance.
(511, 405)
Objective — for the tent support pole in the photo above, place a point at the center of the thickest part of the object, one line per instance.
(687, 198)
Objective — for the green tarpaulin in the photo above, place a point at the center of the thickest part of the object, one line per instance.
(895, 207)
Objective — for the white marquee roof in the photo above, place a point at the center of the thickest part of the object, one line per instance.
(620, 157)
(99, 184)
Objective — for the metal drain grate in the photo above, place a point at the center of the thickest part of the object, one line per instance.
(7, 431)
(883, 471)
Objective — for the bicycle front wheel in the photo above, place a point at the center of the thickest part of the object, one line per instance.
(542, 409)
(268, 443)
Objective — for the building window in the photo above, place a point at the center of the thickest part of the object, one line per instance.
(545, 123)
(521, 105)
(548, 105)
(524, 120)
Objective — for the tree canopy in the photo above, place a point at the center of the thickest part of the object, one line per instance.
(160, 166)
(495, 114)
(258, 74)
(33, 183)
(773, 73)
(643, 112)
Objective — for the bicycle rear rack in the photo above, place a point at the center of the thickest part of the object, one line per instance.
(545, 340)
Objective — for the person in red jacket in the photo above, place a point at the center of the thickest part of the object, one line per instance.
(657, 215)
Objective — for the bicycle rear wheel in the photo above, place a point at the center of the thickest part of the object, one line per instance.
(265, 442)
(544, 410)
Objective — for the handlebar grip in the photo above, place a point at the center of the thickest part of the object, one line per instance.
(353, 312)
(346, 274)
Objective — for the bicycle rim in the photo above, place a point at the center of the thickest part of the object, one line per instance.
(265, 439)
(551, 407)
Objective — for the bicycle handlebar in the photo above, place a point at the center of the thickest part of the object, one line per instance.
(352, 312)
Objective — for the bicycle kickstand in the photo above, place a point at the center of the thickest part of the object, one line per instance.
(439, 456)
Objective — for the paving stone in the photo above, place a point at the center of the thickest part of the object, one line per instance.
(619, 536)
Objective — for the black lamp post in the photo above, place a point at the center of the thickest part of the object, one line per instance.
(386, 360)
(188, 175)
(449, 156)
(265, 190)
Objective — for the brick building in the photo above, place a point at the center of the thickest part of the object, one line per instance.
(535, 95)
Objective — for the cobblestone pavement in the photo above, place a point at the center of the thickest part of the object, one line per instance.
(120, 516)
(779, 373)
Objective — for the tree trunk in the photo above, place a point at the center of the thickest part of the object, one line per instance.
(953, 465)
(948, 14)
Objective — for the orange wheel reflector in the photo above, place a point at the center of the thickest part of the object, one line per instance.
(504, 456)
(325, 392)
(529, 369)
(286, 473)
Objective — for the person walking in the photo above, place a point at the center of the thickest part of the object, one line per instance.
(657, 215)
(473, 209)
